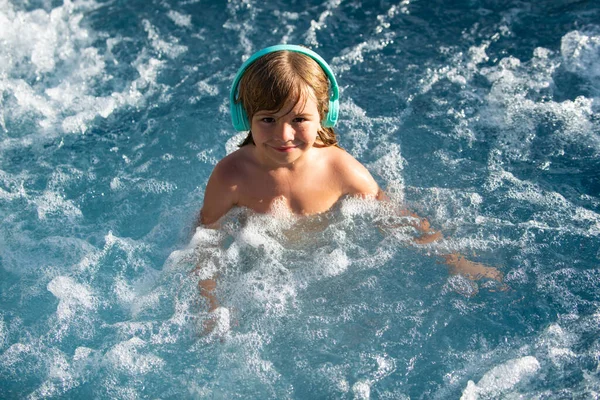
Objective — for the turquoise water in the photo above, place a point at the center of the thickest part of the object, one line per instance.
(481, 116)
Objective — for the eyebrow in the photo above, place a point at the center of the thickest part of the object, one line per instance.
(266, 113)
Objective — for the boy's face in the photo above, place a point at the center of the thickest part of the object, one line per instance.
(284, 137)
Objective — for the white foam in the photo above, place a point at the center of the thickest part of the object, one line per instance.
(15, 353)
(334, 263)
(222, 322)
(390, 167)
(206, 88)
(207, 156)
(156, 187)
(517, 105)
(3, 332)
(242, 14)
(82, 353)
(362, 390)
(60, 378)
(266, 230)
(502, 378)
(64, 176)
(463, 286)
(14, 185)
(232, 143)
(170, 49)
(116, 184)
(52, 203)
(180, 19)
(358, 124)
(268, 286)
(572, 218)
(580, 52)
(461, 68)
(245, 355)
(356, 55)
(73, 297)
(37, 45)
(39, 36)
(199, 255)
(386, 365)
(311, 33)
(124, 291)
(558, 341)
(129, 357)
(45, 39)
(358, 206)
(130, 247)
(141, 303)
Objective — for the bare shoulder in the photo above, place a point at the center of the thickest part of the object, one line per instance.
(223, 186)
(354, 176)
(228, 170)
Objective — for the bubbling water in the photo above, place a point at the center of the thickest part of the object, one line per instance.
(112, 117)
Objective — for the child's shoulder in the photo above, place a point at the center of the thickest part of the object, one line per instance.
(350, 172)
(344, 162)
(233, 164)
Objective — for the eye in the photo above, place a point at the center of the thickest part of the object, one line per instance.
(268, 120)
(299, 119)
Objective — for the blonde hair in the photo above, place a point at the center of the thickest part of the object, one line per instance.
(273, 79)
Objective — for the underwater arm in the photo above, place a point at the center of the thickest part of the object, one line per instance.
(205, 269)
(207, 283)
(422, 225)
(219, 198)
(358, 181)
(457, 263)
(207, 290)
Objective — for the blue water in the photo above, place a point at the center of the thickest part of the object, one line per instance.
(481, 116)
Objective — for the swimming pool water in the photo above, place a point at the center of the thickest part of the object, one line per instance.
(481, 116)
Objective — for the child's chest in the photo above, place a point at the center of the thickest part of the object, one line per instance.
(302, 194)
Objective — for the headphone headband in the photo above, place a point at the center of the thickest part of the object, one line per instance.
(238, 113)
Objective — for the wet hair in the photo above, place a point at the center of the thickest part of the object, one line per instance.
(278, 77)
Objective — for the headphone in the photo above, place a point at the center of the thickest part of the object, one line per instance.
(238, 113)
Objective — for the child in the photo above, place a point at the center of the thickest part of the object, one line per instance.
(291, 157)
(288, 157)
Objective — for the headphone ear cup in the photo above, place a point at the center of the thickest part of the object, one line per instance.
(332, 114)
(239, 118)
(244, 122)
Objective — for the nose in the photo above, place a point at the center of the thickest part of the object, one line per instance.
(286, 132)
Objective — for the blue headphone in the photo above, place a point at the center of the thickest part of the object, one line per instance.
(238, 114)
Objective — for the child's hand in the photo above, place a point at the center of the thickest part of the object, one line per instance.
(422, 225)
(429, 237)
(470, 269)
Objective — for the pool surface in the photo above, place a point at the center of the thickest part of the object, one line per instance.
(480, 115)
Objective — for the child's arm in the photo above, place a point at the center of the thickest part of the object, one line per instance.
(207, 289)
(457, 263)
(220, 195)
(472, 270)
(219, 198)
(207, 286)
(420, 224)
(360, 182)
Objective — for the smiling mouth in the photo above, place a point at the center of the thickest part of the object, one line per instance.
(284, 149)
